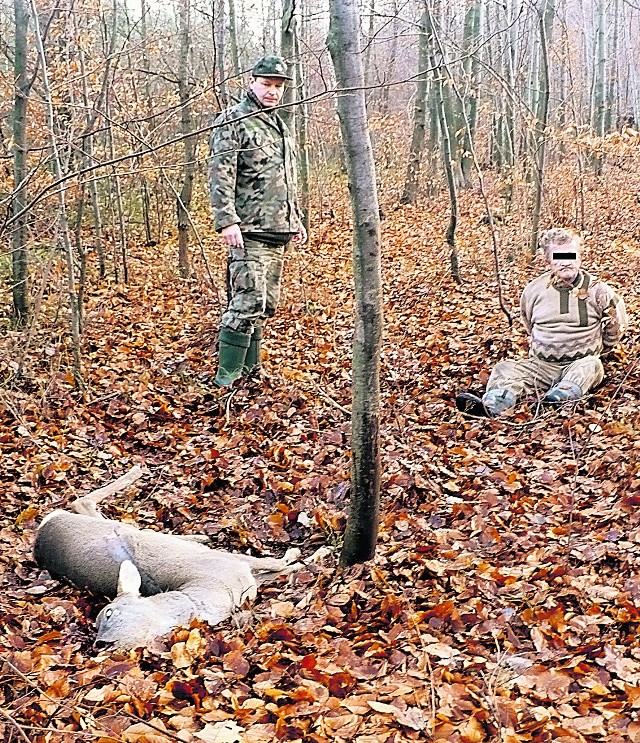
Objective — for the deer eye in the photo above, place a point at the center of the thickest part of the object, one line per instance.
(108, 613)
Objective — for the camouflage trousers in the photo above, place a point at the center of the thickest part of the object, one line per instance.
(255, 272)
(533, 376)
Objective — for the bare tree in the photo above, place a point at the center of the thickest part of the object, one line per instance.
(233, 39)
(19, 128)
(62, 205)
(185, 87)
(441, 72)
(546, 14)
(287, 48)
(471, 67)
(344, 46)
(416, 151)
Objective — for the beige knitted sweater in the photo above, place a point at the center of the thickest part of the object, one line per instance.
(566, 323)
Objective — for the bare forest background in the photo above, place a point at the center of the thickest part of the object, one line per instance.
(105, 109)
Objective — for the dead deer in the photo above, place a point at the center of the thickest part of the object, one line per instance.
(159, 581)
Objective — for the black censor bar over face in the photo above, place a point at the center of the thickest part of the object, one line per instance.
(565, 256)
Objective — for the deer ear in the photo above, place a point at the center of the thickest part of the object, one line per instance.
(129, 579)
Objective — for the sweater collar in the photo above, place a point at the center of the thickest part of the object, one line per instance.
(576, 284)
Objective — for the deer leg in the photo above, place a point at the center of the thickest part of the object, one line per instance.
(87, 505)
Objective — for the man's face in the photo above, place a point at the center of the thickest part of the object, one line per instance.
(564, 261)
(268, 90)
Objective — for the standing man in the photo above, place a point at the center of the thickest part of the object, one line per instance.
(572, 318)
(252, 180)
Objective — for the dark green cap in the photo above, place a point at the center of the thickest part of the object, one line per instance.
(271, 66)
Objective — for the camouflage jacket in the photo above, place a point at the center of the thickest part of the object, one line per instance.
(252, 170)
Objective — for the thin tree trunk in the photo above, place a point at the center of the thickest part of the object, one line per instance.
(612, 108)
(146, 201)
(433, 143)
(184, 202)
(119, 207)
(473, 24)
(302, 127)
(62, 215)
(600, 83)
(368, 50)
(233, 39)
(218, 35)
(439, 79)
(446, 102)
(19, 128)
(412, 180)
(508, 138)
(344, 46)
(91, 109)
(545, 25)
(287, 49)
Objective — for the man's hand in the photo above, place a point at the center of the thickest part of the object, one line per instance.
(232, 236)
(300, 238)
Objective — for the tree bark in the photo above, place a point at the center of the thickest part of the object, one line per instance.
(119, 206)
(344, 46)
(600, 82)
(287, 48)
(302, 127)
(612, 108)
(150, 124)
(393, 56)
(412, 180)
(447, 154)
(62, 206)
(473, 23)
(545, 25)
(19, 128)
(233, 39)
(188, 167)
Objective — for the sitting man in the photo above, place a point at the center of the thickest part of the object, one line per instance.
(572, 318)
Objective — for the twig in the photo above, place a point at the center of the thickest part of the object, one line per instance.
(330, 399)
(432, 689)
(490, 686)
(18, 418)
(15, 724)
(157, 728)
(101, 734)
(574, 486)
(302, 283)
(102, 398)
(27, 680)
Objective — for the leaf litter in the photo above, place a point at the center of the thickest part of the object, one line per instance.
(504, 600)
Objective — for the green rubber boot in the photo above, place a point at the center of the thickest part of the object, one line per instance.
(233, 351)
(252, 359)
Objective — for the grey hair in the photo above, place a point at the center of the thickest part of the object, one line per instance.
(559, 236)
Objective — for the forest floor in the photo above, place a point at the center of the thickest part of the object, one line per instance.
(504, 601)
